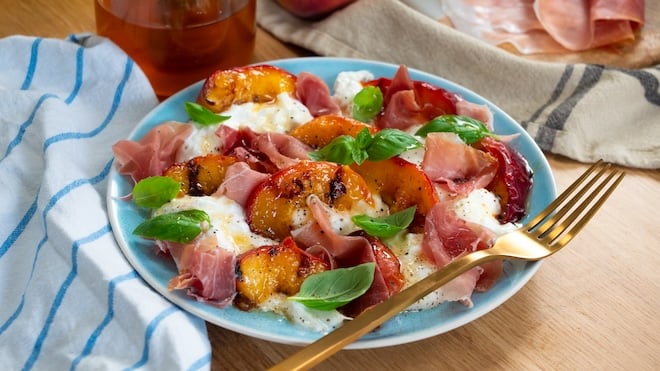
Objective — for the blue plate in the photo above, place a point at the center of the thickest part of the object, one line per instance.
(405, 327)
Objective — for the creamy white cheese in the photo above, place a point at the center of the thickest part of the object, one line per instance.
(347, 84)
(415, 266)
(479, 207)
(321, 321)
(482, 207)
(228, 223)
(280, 116)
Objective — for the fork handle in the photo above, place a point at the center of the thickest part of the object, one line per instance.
(350, 331)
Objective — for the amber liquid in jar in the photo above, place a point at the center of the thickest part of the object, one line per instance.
(183, 44)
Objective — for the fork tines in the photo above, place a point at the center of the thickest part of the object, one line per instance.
(588, 193)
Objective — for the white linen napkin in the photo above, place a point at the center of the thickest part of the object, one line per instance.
(583, 111)
(68, 298)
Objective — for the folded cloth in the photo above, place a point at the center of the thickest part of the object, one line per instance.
(69, 298)
(583, 111)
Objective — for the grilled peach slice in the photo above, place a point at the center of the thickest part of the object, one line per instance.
(279, 204)
(268, 270)
(201, 175)
(321, 130)
(401, 185)
(259, 84)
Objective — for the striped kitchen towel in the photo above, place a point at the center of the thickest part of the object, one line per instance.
(68, 298)
(583, 111)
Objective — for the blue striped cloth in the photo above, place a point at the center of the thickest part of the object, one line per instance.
(68, 298)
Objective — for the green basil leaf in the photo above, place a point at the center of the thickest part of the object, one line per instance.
(181, 227)
(367, 103)
(364, 139)
(202, 115)
(386, 226)
(389, 143)
(341, 150)
(384, 144)
(467, 128)
(337, 287)
(153, 192)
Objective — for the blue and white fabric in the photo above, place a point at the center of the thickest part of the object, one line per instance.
(68, 298)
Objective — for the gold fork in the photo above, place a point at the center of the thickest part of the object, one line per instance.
(543, 236)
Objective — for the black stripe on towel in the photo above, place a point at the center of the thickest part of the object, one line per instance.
(545, 136)
(559, 88)
(649, 82)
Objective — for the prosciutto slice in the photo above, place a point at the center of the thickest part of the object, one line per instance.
(458, 167)
(581, 25)
(281, 149)
(344, 251)
(240, 180)
(548, 26)
(268, 151)
(475, 111)
(401, 112)
(206, 270)
(447, 237)
(153, 153)
(315, 95)
(409, 102)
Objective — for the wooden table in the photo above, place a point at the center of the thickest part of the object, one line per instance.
(592, 306)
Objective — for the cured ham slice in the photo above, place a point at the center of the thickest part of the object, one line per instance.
(582, 25)
(502, 21)
(400, 82)
(315, 94)
(153, 153)
(548, 26)
(447, 237)
(475, 111)
(457, 166)
(402, 111)
(408, 103)
(281, 149)
(269, 151)
(344, 251)
(206, 270)
(240, 180)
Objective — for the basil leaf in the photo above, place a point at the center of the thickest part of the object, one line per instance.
(181, 227)
(367, 103)
(340, 150)
(153, 192)
(202, 115)
(389, 143)
(337, 287)
(467, 128)
(386, 226)
(362, 141)
(384, 144)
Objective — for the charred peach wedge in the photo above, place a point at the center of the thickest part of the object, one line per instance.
(321, 130)
(258, 84)
(401, 185)
(268, 270)
(201, 175)
(279, 204)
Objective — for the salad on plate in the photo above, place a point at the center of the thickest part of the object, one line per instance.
(283, 194)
